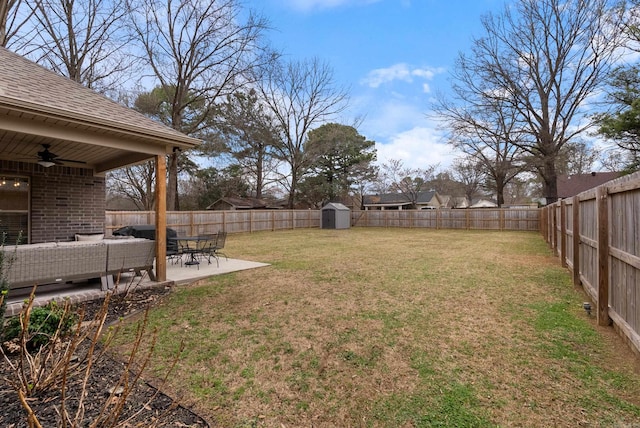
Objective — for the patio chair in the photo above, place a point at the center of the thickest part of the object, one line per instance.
(211, 248)
(221, 238)
(205, 247)
(174, 254)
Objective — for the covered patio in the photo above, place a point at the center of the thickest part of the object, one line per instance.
(177, 274)
(58, 140)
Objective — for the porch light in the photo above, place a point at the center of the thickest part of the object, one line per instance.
(46, 164)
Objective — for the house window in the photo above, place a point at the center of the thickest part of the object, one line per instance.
(14, 209)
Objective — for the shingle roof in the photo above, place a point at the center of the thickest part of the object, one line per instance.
(571, 185)
(30, 86)
(397, 198)
(242, 203)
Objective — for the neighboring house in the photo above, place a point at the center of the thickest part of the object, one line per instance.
(446, 201)
(231, 203)
(400, 201)
(571, 185)
(460, 202)
(58, 139)
(449, 201)
(483, 203)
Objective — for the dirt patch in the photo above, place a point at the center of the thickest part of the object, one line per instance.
(143, 406)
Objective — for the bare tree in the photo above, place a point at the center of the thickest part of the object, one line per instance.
(485, 129)
(197, 51)
(577, 158)
(135, 184)
(84, 40)
(470, 172)
(543, 59)
(300, 94)
(394, 177)
(14, 14)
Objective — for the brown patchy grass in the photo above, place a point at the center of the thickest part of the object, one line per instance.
(395, 327)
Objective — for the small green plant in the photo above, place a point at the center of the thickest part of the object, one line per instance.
(43, 323)
(69, 359)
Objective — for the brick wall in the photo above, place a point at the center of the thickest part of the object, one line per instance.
(64, 200)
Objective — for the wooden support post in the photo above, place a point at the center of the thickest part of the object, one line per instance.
(603, 256)
(576, 241)
(161, 218)
(563, 233)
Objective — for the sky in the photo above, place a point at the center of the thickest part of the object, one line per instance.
(393, 56)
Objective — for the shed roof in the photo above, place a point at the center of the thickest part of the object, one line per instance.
(335, 206)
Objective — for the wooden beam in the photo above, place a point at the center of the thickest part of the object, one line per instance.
(161, 218)
(603, 256)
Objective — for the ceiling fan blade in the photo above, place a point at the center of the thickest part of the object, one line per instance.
(67, 160)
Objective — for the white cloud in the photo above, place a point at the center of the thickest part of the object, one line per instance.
(401, 71)
(384, 120)
(419, 147)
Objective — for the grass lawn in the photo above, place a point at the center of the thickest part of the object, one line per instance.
(372, 327)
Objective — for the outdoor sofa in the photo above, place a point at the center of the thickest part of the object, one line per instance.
(60, 262)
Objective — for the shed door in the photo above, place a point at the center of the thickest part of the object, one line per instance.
(328, 219)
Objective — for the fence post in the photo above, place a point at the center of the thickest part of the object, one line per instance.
(603, 255)
(554, 229)
(563, 233)
(467, 218)
(576, 240)
(501, 218)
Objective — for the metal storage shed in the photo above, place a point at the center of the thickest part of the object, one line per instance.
(336, 216)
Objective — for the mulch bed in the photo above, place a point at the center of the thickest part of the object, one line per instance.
(144, 405)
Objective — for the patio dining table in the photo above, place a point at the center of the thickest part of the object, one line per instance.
(193, 246)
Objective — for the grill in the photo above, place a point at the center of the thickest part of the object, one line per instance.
(148, 231)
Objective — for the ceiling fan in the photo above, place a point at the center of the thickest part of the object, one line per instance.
(48, 159)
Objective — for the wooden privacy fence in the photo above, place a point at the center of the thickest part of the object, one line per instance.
(596, 234)
(203, 222)
(480, 219)
(193, 223)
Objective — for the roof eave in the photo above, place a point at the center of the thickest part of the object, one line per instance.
(173, 138)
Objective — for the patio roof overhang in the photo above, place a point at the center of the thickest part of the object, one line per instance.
(40, 107)
(102, 145)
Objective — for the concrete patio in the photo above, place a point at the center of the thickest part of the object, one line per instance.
(177, 274)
